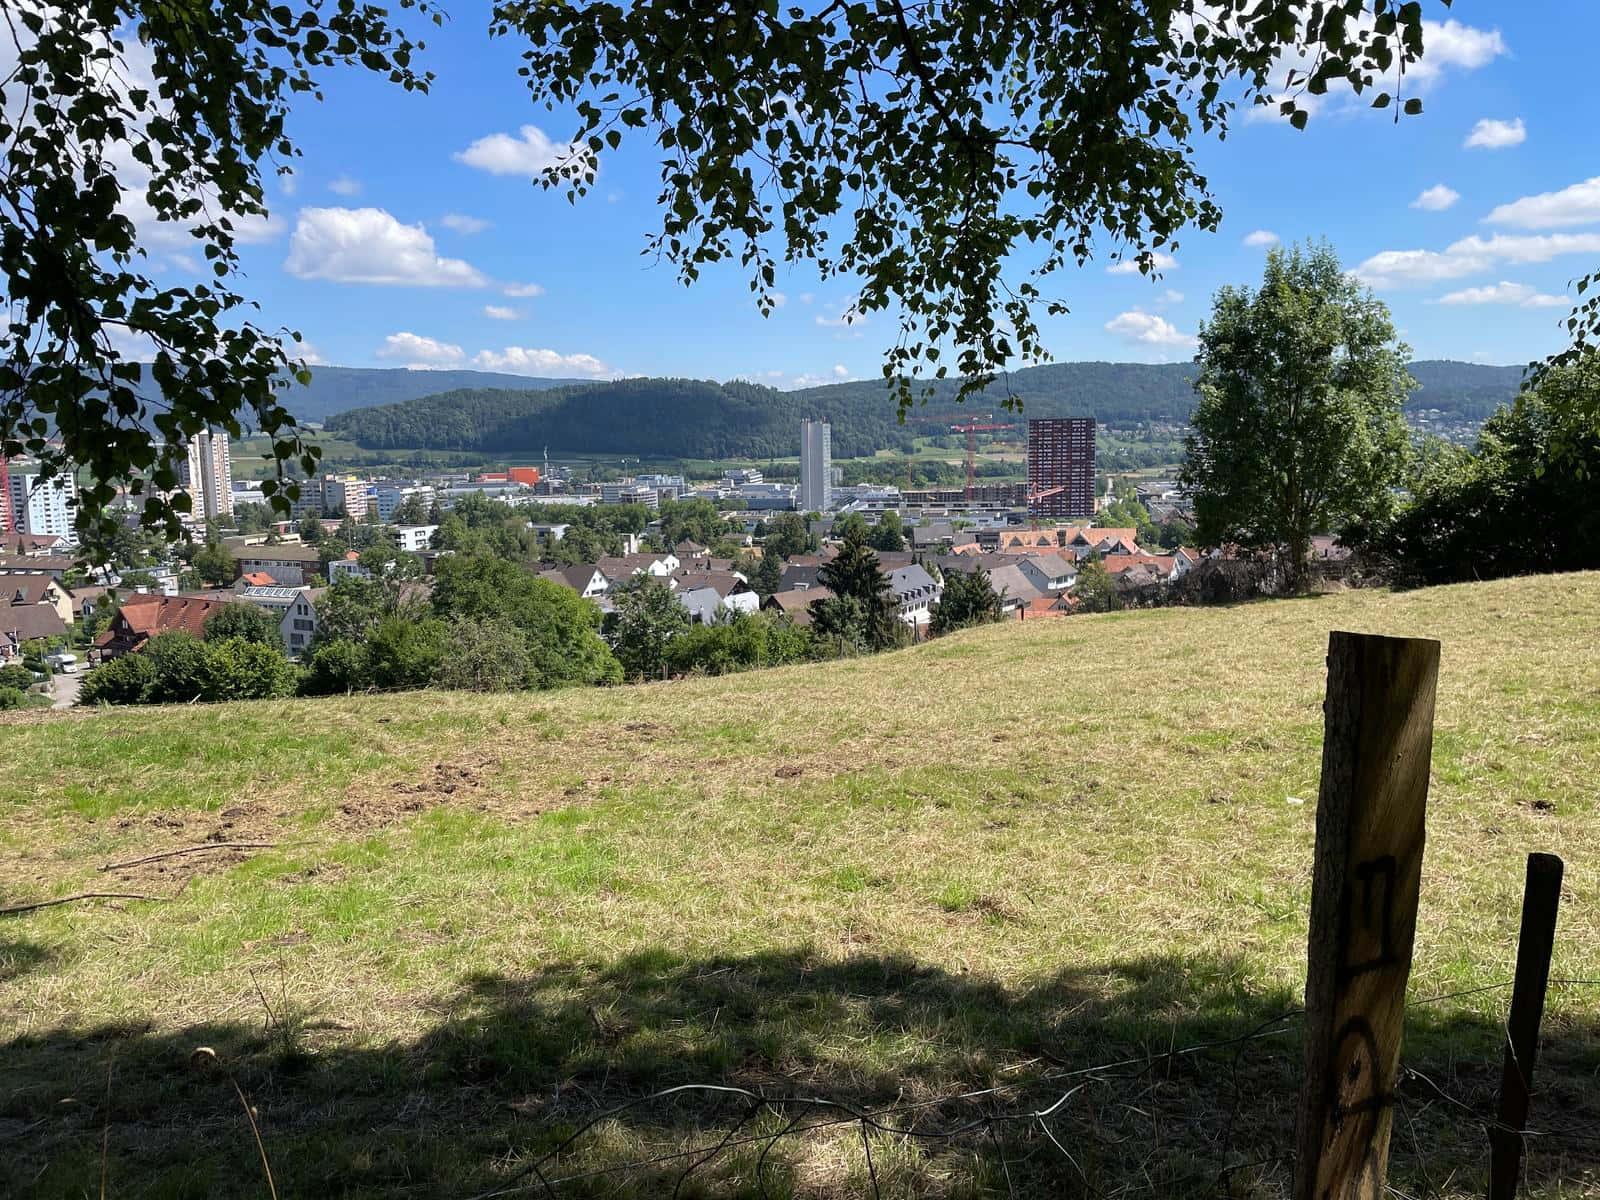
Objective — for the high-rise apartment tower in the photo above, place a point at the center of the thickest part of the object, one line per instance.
(816, 466)
(1061, 467)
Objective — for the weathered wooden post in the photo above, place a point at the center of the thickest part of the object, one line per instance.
(1541, 895)
(1376, 750)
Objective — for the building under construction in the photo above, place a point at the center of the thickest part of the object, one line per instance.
(1061, 467)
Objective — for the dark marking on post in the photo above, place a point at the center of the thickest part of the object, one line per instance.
(1541, 896)
(1376, 752)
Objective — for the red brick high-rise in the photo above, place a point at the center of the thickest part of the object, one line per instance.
(1061, 455)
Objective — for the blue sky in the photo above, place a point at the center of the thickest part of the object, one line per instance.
(412, 235)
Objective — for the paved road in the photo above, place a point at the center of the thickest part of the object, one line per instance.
(64, 690)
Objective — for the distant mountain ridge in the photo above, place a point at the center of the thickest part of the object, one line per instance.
(686, 418)
(336, 389)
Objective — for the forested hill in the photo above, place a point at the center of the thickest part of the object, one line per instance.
(336, 389)
(685, 418)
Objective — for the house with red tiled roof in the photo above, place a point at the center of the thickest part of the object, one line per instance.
(253, 579)
(142, 617)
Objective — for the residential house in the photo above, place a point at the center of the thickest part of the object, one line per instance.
(586, 579)
(915, 594)
(797, 576)
(54, 565)
(143, 617)
(796, 604)
(342, 568)
(34, 545)
(1013, 587)
(928, 537)
(619, 569)
(36, 587)
(687, 551)
(1162, 568)
(253, 579)
(289, 565)
(23, 623)
(705, 605)
(295, 608)
(1050, 573)
(414, 539)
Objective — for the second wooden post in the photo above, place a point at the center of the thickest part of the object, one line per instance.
(1376, 752)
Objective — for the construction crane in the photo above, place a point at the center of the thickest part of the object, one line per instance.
(972, 429)
(1033, 501)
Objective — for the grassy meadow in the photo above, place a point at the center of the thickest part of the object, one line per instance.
(980, 864)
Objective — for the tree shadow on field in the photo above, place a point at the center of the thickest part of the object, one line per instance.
(515, 1066)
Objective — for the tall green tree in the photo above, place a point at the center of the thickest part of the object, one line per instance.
(1521, 502)
(788, 535)
(889, 533)
(855, 575)
(644, 620)
(968, 598)
(132, 120)
(245, 621)
(1298, 429)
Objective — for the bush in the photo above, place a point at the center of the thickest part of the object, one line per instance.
(11, 697)
(126, 680)
(16, 678)
(180, 671)
(484, 655)
(241, 619)
(240, 669)
(334, 667)
(405, 654)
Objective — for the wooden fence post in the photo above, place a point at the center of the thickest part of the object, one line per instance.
(1541, 895)
(1376, 750)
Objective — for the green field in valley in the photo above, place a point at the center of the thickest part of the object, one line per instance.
(976, 865)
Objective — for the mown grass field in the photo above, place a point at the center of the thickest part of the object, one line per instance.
(979, 863)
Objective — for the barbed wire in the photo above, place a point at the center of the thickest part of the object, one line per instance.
(801, 1115)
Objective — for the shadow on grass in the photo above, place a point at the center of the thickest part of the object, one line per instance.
(512, 1066)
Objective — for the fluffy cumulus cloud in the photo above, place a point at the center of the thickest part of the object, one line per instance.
(1489, 134)
(1261, 237)
(1575, 205)
(530, 153)
(1436, 199)
(368, 245)
(502, 312)
(522, 291)
(1519, 294)
(461, 223)
(1469, 256)
(1146, 329)
(419, 353)
(1447, 46)
(1130, 266)
(523, 360)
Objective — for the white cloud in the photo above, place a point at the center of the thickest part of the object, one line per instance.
(1496, 135)
(532, 153)
(845, 320)
(840, 371)
(522, 291)
(1130, 266)
(462, 223)
(344, 185)
(367, 245)
(1436, 199)
(1503, 292)
(1575, 205)
(288, 183)
(778, 299)
(502, 312)
(306, 353)
(1146, 329)
(522, 360)
(1262, 237)
(1470, 255)
(1447, 45)
(419, 353)
(1170, 296)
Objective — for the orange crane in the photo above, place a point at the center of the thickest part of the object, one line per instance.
(972, 429)
(1034, 498)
